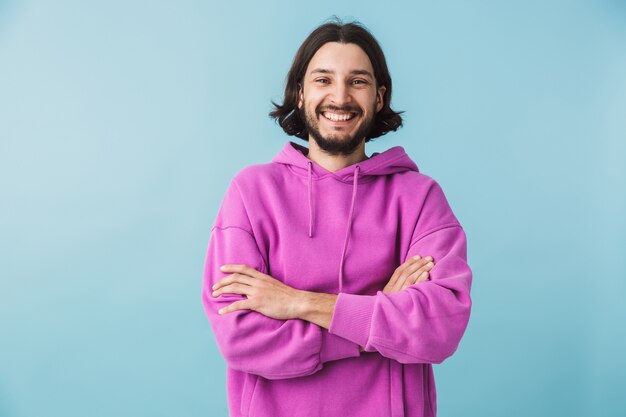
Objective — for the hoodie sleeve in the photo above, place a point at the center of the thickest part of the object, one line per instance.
(250, 341)
(424, 322)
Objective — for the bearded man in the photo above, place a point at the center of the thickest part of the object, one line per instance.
(334, 280)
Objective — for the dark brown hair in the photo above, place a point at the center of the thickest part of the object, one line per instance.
(287, 114)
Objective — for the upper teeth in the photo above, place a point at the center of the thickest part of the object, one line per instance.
(335, 116)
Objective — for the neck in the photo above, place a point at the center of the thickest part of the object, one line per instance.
(332, 162)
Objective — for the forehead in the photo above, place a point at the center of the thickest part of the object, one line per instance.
(340, 58)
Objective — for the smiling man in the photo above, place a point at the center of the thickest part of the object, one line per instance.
(333, 280)
(343, 71)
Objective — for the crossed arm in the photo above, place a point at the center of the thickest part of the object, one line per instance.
(277, 300)
(298, 331)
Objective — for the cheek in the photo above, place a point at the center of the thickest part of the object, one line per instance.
(314, 97)
(367, 99)
(375, 102)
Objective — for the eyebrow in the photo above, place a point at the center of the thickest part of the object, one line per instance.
(354, 72)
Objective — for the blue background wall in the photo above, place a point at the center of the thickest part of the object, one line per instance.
(122, 122)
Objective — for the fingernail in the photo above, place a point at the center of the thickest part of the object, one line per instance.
(222, 267)
(429, 258)
(220, 311)
(417, 257)
(430, 264)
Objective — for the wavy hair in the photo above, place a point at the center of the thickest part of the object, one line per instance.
(287, 114)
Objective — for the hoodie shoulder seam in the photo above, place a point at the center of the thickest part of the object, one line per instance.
(232, 227)
(263, 267)
(433, 230)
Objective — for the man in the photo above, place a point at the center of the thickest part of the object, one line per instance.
(316, 282)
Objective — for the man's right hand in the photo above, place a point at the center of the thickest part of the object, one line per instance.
(413, 271)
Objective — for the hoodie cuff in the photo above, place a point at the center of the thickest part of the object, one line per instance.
(335, 348)
(352, 317)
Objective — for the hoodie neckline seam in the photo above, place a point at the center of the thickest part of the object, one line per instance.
(362, 179)
(378, 163)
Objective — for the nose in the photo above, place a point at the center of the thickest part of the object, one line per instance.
(340, 94)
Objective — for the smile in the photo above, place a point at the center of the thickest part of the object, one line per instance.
(338, 117)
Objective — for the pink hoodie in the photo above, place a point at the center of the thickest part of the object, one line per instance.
(344, 233)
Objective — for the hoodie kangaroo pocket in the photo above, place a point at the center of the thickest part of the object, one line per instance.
(249, 385)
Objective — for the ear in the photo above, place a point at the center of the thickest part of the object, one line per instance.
(379, 98)
(299, 95)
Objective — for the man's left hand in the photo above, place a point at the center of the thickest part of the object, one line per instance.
(264, 293)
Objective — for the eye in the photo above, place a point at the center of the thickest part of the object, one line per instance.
(359, 81)
(322, 81)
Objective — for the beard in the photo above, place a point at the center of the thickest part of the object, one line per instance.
(333, 144)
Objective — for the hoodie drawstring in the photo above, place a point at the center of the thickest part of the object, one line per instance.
(350, 216)
(355, 184)
(310, 203)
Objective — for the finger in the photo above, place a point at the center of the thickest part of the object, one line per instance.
(422, 278)
(399, 280)
(235, 288)
(392, 281)
(418, 257)
(420, 266)
(411, 273)
(417, 279)
(243, 269)
(237, 305)
(401, 283)
(410, 261)
(393, 284)
(412, 264)
(423, 273)
(236, 277)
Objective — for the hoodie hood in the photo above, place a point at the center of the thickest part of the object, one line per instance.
(393, 160)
